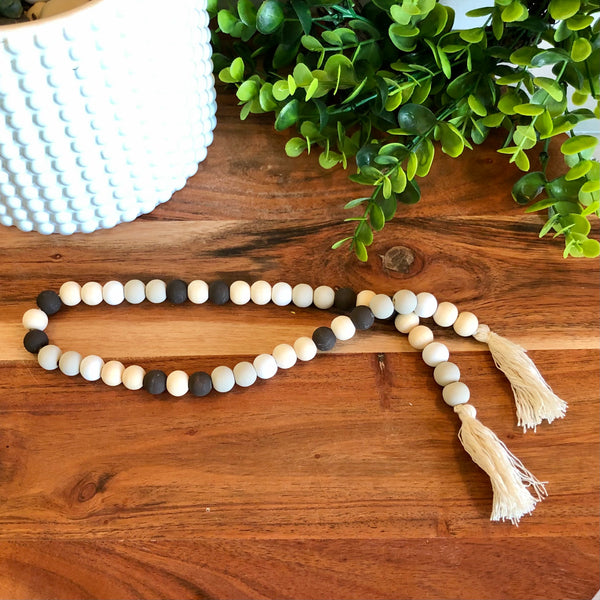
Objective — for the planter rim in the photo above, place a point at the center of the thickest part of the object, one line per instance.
(47, 22)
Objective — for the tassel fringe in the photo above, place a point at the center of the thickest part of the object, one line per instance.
(510, 479)
(534, 399)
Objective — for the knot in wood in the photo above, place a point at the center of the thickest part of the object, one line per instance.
(399, 259)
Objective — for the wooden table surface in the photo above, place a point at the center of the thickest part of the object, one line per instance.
(340, 478)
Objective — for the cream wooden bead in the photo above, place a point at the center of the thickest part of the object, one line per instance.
(244, 373)
(466, 324)
(177, 383)
(446, 314)
(112, 373)
(435, 353)
(113, 293)
(260, 292)
(404, 323)
(69, 362)
(35, 318)
(70, 293)
(305, 348)
(91, 367)
(265, 366)
(133, 377)
(445, 373)
(343, 328)
(156, 291)
(285, 356)
(404, 301)
(135, 292)
(197, 291)
(48, 357)
(363, 298)
(456, 393)
(426, 305)
(324, 297)
(302, 295)
(91, 293)
(239, 292)
(281, 294)
(382, 306)
(222, 379)
(420, 336)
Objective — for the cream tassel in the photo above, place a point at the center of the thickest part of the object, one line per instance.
(510, 479)
(534, 398)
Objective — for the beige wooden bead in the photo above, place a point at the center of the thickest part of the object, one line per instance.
(456, 393)
(435, 353)
(446, 314)
(133, 377)
(420, 336)
(112, 373)
(363, 298)
(177, 383)
(70, 293)
(35, 318)
(445, 373)
(466, 324)
(404, 323)
(426, 305)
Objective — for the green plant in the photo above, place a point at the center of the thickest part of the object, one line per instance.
(378, 83)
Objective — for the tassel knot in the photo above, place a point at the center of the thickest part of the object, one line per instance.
(534, 399)
(510, 480)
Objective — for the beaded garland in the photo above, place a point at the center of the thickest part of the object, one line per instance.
(535, 400)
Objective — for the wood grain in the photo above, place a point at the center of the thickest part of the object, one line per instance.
(340, 478)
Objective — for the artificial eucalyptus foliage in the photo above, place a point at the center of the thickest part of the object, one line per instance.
(380, 86)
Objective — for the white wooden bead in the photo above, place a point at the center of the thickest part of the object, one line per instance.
(91, 293)
(404, 323)
(435, 353)
(382, 306)
(133, 377)
(305, 348)
(239, 292)
(260, 292)
(48, 357)
(135, 292)
(70, 293)
(426, 305)
(445, 314)
(456, 393)
(223, 379)
(69, 362)
(285, 356)
(244, 373)
(323, 297)
(113, 293)
(404, 301)
(177, 383)
(281, 294)
(466, 324)
(302, 295)
(343, 327)
(156, 291)
(198, 291)
(35, 318)
(265, 366)
(91, 367)
(112, 373)
(445, 373)
(420, 336)
(364, 297)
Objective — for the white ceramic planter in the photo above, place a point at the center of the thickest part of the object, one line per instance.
(105, 111)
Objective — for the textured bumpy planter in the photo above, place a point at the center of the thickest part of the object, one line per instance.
(105, 111)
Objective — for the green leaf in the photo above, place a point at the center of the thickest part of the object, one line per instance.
(590, 248)
(540, 205)
(528, 109)
(226, 20)
(288, 115)
(590, 186)
(581, 49)
(578, 170)
(524, 55)
(340, 243)
(480, 12)
(551, 86)
(247, 12)
(360, 251)
(528, 187)
(579, 22)
(411, 166)
(452, 141)
(515, 11)
(356, 202)
(493, 120)
(521, 160)
(473, 36)
(247, 90)
(236, 69)
(578, 143)
(549, 57)
(281, 90)
(425, 152)
(415, 119)
(269, 17)
(311, 43)
(563, 9)
(507, 103)
(295, 146)
(376, 217)
(411, 194)
(302, 10)
(398, 180)
(363, 233)
(543, 124)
